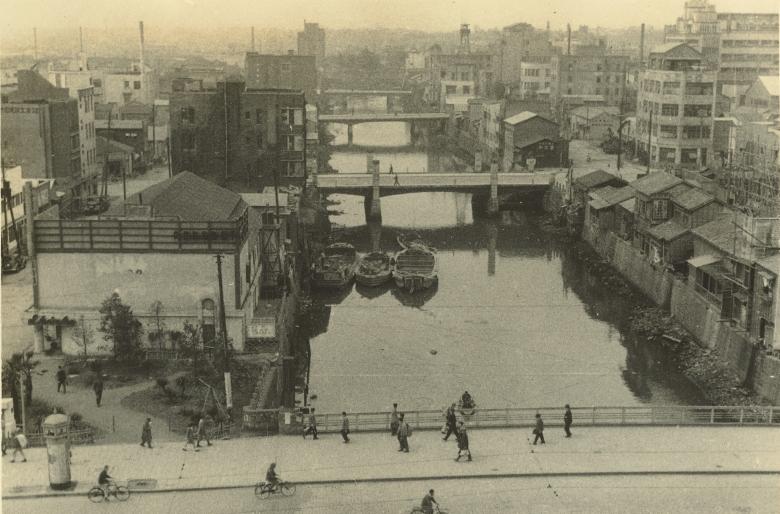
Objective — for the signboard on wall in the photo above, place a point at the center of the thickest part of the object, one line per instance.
(262, 328)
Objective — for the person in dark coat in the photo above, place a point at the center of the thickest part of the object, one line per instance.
(463, 442)
(345, 427)
(394, 420)
(312, 428)
(567, 421)
(452, 423)
(62, 379)
(403, 434)
(146, 433)
(539, 429)
(97, 386)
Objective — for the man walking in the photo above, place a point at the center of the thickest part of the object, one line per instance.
(395, 180)
(394, 420)
(191, 434)
(18, 441)
(97, 386)
(452, 423)
(567, 421)
(202, 432)
(463, 442)
(539, 429)
(146, 433)
(62, 378)
(312, 428)
(403, 434)
(345, 427)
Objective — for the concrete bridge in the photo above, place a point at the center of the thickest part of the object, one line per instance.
(367, 92)
(359, 98)
(373, 186)
(428, 120)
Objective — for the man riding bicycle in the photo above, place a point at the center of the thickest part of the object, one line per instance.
(427, 503)
(104, 480)
(271, 477)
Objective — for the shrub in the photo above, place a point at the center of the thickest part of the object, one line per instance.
(76, 419)
(162, 383)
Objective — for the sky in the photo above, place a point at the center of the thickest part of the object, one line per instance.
(19, 16)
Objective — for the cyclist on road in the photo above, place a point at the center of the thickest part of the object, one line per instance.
(427, 503)
(271, 477)
(104, 480)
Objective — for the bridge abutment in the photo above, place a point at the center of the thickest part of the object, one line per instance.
(350, 133)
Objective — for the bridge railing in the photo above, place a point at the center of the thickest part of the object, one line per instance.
(661, 415)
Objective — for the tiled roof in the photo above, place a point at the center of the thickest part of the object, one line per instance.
(667, 231)
(629, 204)
(188, 197)
(610, 196)
(655, 183)
(719, 232)
(594, 179)
(692, 199)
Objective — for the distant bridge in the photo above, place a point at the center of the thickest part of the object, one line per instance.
(366, 92)
(363, 183)
(372, 117)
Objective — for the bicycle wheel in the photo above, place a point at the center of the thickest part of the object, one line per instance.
(96, 495)
(265, 491)
(122, 493)
(259, 489)
(288, 489)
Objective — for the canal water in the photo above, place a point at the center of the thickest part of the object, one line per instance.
(516, 320)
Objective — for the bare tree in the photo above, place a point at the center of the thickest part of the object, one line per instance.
(158, 310)
(83, 336)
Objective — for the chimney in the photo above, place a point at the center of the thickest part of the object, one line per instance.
(35, 43)
(568, 39)
(642, 46)
(82, 54)
(142, 65)
(81, 40)
(253, 39)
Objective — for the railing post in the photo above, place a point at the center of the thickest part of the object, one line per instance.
(507, 417)
(712, 415)
(771, 412)
(593, 419)
(741, 414)
(357, 422)
(652, 415)
(623, 416)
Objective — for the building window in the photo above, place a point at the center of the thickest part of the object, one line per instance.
(450, 90)
(286, 67)
(208, 319)
(466, 90)
(188, 141)
(188, 114)
(598, 80)
(247, 115)
(669, 131)
(127, 84)
(697, 111)
(659, 209)
(258, 116)
(260, 139)
(669, 109)
(137, 84)
(97, 82)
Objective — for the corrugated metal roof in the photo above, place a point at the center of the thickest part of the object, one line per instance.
(655, 183)
(667, 231)
(594, 179)
(520, 117)
(692, 199)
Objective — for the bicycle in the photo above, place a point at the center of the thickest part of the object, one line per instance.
(265, 490)
(97, 494)
(436, 510)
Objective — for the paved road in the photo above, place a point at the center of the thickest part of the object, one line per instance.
(679, 494)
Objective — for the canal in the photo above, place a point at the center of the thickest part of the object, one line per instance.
(516, 319)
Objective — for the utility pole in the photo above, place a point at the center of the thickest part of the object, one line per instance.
(621, 122)
(22, 394)
(223, 329)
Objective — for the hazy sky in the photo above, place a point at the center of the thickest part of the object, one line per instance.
(436, 15)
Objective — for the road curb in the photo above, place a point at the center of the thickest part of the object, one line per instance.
(584, 474)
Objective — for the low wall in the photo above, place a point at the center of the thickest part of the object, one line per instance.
(653, 281)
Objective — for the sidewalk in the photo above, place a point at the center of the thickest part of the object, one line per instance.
(374, 457)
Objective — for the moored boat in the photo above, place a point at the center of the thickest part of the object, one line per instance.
(373, 269)
(335, 267)
(416, 267)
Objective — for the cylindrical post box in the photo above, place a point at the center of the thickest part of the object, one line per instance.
(55, 430)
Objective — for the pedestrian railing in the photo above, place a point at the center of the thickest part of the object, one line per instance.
(260, 420)
(85, 436)
(663, 415)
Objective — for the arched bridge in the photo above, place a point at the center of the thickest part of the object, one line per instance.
(363, 183)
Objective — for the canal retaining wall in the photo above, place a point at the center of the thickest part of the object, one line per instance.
(734, 349)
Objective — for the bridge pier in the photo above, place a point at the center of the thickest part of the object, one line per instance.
(373, 203)
(492, 239)
(492, 205)
(350, 133)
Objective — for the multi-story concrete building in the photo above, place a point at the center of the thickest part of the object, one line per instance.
(14, 220)
(589, 75)
(41, 131)
(239, 136)
(111, 85)
(743, 45)
(87, 134)
(281, 72)
(311, 41)
(675, 107)
(521, 43)
(462, 74)
(535, 80)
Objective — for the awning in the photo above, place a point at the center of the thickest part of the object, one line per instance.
(703, 260)
(40, 319)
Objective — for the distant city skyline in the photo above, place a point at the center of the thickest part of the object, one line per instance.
(431, 15)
